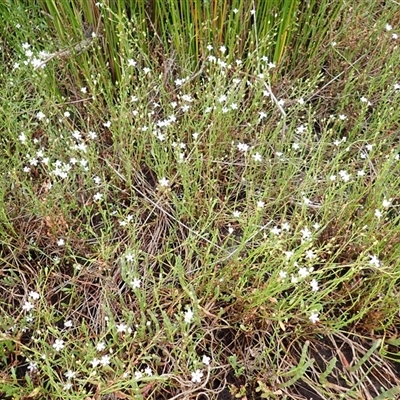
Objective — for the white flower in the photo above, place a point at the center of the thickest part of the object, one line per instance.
(236, 214)
(314, 317)
(257, 157)
(105, 360)
(121, 328)
(282, 274)
(60, 242)
(135, 283)
(196, 376)
(388, 27)
(28, 306)
(34, 295)
(314, 285)
(276, 231)
(22, 137)
(70, 374)
(100, 346)
(95, 362)
(303, 272)
(40, 116)
(188, 316)
(374, 261)
(260, 204)
(129, 257)
(138, 375)
(58, 344)
(310, 254)
(378, 214)
(386, 203)
(306, 233)
(132, 63)
(243, 147)
(206, 360)
(148, 371)
(98, 196)
(164, 182)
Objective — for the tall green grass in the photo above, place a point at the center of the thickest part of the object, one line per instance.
(181, 30)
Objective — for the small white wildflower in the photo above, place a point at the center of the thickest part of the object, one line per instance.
(236, 214)
(92, 135)
(135, 283)
(95, 362)
(206, 360)
(378, 214)
(131, 63)
(100, 346)
(40, 116)
(257, 157)
(68, 324)
(395, 36)
(196, 376)
(148, 371)
(84, 89)
(301, 129)
(386, 203)
(129, 257)
(242, 147)
(58, 344)
(67, 386)
(188, 316)
(374, 261)
(276, 231)
(303, 272)
(105, 360)
(310, 254)
(363, 99)
(306, 233)
(22, 137)
(344, 175)
(107, 124)
(289, 254)
(369, 147)
(342, 117)
(98, 196)
(70, 374)
(28, 306)
(282, 274)
(163, 182)
(121, 328)
(32, 366)
(138, 375)
(260, 204)
(314, 285)
(388, 27)
(314, 317)
(34, 295)
(60, 242)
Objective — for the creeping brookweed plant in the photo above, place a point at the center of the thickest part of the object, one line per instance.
(170, 231)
